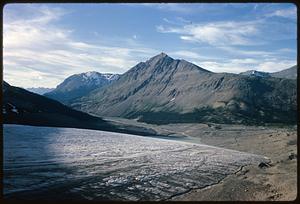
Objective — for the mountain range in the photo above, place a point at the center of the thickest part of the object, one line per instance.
(167, 90)
(256, 73)
(290, 73)
(23, 107)
(40, 90)
(79, 85)
(20, 106)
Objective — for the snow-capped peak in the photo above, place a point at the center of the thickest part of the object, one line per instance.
(111, 77)
(91, 75)
(98, 78)
(256, 73)
(259, 73)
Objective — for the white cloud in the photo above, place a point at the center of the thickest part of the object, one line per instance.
(247, 60)
(192, 55)
(224, 66)
(276, 65)
(168, 21)
(253, 53)
(285, 13)
(242, 65)
(35, 47)
(38, 52)
(174, 7)
(185, 54)
(235, 65)
(28, 76)
(216, 34)
(286, 50)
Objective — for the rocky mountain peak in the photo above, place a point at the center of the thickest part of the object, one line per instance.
(162, 54)
(160, 57)
(91, 74)
(164, 61)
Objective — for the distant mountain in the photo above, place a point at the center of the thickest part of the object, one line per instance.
(79, 85)
(256, 73)
(23, 107)
(40, 90)
(167, 90)
(290, 73)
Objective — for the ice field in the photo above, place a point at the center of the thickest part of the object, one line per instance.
(67, 163)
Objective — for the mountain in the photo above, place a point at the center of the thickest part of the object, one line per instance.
(40, 90)
(79, 85)
(167, 90)
(23, 107)
(290, 73)
(256, 73)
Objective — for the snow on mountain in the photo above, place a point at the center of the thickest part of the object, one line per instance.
(256, 73)
(111, 77)
(290, 73)
(98, 77)
(78, 85)
(166, 90)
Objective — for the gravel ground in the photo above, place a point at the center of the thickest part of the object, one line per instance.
(277, 181)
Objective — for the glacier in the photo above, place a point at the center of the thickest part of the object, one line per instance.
(67, 163)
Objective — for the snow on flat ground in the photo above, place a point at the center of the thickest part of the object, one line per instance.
(93, 165)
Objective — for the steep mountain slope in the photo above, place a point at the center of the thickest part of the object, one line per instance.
(144, 82)
(79, 85)
(24, 107)
(164, 90)
(290, 73)
(40, 90)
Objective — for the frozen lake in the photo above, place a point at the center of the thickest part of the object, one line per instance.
(65, 163)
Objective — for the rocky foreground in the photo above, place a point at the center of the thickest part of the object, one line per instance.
(274, 182)
(266, 182)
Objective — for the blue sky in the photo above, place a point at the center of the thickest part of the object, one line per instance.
(45, 43)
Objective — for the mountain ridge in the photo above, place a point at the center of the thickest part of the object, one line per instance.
(39, 90)
(20, 106)
(164, 85)
(78, 85)
(24, 107)
(289, 73)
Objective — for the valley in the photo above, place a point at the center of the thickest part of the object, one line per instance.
(160, 101)
(164, 130)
